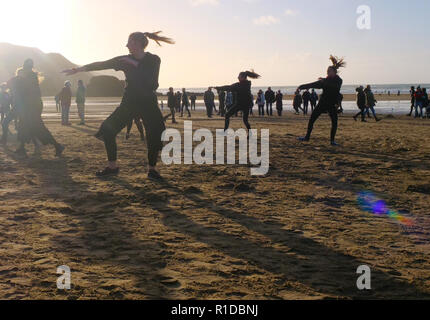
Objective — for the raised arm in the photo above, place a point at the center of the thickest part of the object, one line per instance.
(231, 88)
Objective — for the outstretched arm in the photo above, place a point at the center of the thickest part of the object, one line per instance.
(232, 88)
(314, 85)
(96, 66)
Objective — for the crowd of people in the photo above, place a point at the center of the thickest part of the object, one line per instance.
(21, 102)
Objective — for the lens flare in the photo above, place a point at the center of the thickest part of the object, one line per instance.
(370, 203)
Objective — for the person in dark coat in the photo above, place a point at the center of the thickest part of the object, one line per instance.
(244, 97)
(209, 99)
(297, 102)
(269, 95)
(185, 103)
(65, 97)
(361, 104)
(30, 106)
(314, 99)
(221, 99)
(329, 100)
(412, 93)
(279, 102)
(171, 103)
(306, 99)
(193, 99)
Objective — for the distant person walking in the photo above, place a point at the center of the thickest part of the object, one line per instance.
(331, 86)
(65, 97)
(269, 95)
(57, 103)
(361, 103)
(425, 102)
(221, 99)
(193, 99)
(139, 126)
(371, 102)
(171, 103)
(209, 99)
(297, 102)
(185, 103)
(80, 101)
(261, 101)
(306, 99)
(244, 97)
(314, 99)
(279, 103)
(178, 97)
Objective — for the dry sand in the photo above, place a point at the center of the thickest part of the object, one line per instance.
(215, 232)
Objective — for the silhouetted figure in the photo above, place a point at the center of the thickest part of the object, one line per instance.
(193, 99)
(261, 101)
(13, 114)
(361, 103)
(425, 101)
(141, 69)
(269, 95)
(314, 99)
(221, 100)
(65, 97)
(209, 99)
(419, 103)
(306, 99)
(57, 103)
(297, 102)
(329, 98)
(171, 103)
(178, 97)
(412, 93)
(185, 103)
(244, 97)
(80, 101)
(279, 103)
(371, 102)
(339, 104)
(30, 106)
(5, 102)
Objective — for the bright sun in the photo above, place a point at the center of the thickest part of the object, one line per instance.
(33, 23)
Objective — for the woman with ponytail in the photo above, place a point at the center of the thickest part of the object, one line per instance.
(244, 97)
(329, 98)
(141, 70)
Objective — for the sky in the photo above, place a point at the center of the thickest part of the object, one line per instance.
(288, 42)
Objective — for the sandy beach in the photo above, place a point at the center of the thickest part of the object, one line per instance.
(215, 232)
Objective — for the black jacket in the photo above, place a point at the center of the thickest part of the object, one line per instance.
(243, 92)
(331, 90)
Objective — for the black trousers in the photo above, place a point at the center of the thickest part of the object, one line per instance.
(305, 107)
(261, 109)
(319, 110)
(185, 105)
(269, 108)
(234, 110)
(193, 105)
(143, 107)
(362, 113)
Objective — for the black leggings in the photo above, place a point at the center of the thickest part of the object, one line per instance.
(332, 111)
(145, 108)
(234, 110)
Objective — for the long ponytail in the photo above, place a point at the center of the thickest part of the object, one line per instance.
(337, 62)
(143, 37)
(250, 74)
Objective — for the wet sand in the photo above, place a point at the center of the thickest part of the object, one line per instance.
(215, 232)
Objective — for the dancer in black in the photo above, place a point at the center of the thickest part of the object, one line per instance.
(30, 106)
(329, 98)
(141, 69)
(244, 97)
